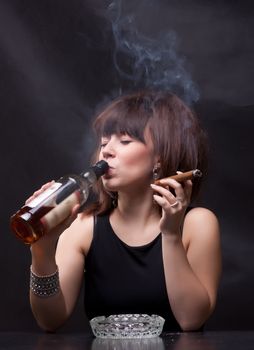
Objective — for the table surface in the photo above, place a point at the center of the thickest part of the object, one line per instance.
(230, 340)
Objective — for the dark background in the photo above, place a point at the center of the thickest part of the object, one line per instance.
(60, 60)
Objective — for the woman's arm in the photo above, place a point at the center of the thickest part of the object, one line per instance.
(192, 267)
(192, 261)
(51, 312)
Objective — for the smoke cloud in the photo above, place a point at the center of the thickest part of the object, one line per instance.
(146, 62)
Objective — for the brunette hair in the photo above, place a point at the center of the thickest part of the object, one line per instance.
(176, 133)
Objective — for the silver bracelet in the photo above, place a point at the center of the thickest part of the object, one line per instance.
(44, 286)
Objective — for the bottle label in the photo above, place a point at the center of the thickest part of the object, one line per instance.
(60, 212)
(44, 195)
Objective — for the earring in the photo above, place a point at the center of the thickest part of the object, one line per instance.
(156, 172)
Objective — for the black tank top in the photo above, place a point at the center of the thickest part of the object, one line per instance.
(123, 279)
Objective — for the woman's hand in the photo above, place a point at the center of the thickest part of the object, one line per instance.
(48, 241)
(173, 206)
(40, 191)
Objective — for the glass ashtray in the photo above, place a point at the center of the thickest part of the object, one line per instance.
(127, 326)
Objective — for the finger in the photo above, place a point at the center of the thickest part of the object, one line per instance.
(166, 205)
(178, 189)
(172, 183)
(162, 202)
(164, 192)
(182, 190)
(47, 185)
(29, 199)
(180, 194)
(41, 190)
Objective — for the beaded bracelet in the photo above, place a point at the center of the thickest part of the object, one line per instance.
(44, 286)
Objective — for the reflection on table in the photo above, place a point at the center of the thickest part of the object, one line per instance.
(126, 344)
(170, 341)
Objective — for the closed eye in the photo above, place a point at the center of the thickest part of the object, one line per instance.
(103, 144)
(125, 142)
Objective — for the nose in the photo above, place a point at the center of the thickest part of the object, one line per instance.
(108, 151)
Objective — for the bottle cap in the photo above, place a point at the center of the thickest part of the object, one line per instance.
(100, 168)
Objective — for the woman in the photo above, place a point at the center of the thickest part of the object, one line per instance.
(143, 247)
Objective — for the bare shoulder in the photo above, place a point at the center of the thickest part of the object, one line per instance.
(200, 225)
(79, 234)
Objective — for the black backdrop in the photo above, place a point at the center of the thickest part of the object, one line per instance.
(60, 59)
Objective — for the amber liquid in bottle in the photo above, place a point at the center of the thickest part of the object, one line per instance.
(54, 205)
(31, 230)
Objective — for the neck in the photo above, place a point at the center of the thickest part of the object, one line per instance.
(136, 206)
(136, 218)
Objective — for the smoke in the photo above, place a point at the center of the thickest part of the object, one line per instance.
(146, 62)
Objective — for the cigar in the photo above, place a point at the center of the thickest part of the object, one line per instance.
(188, 175)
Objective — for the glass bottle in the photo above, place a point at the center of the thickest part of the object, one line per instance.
(55, 204)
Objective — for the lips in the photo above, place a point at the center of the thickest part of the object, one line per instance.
(110, 167)
(109, 172)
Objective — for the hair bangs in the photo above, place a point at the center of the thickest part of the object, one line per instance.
(124, 118)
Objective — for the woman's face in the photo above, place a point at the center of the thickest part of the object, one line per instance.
(130, 162)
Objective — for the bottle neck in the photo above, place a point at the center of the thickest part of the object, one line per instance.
(89, 176)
